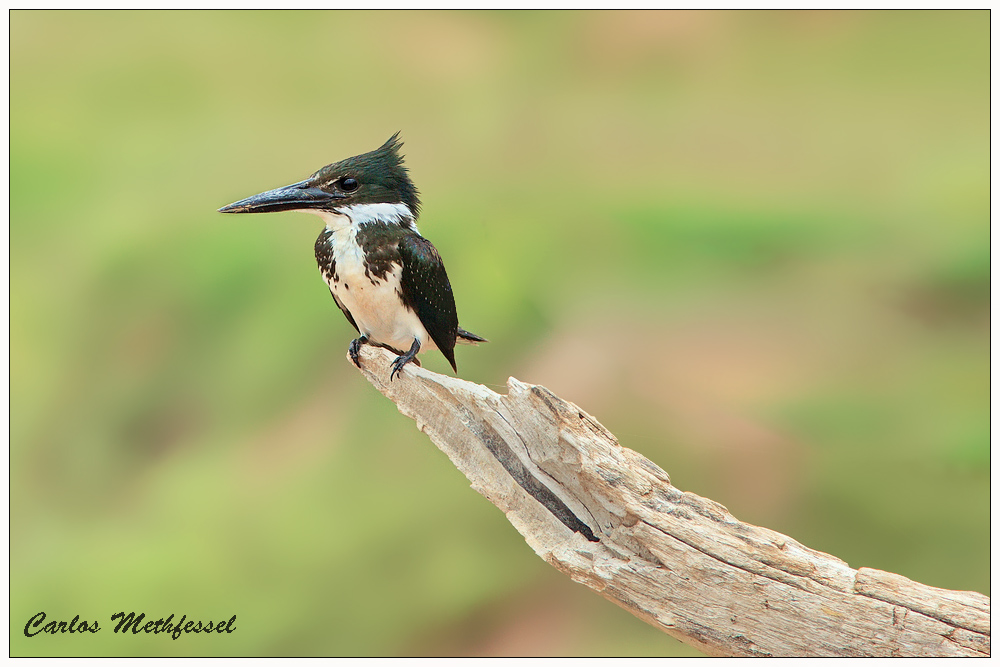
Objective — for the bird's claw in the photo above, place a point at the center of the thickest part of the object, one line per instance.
(404, 359)
(355, 349)
(398, 364)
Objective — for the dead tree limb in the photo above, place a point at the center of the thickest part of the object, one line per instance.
(609, 518)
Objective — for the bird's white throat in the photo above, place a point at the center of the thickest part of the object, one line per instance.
(359, 215)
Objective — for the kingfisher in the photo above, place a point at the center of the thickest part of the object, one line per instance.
(387, 279)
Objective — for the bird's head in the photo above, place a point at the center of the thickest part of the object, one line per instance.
(370, 182)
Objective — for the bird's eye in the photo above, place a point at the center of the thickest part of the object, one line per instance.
(348, 184)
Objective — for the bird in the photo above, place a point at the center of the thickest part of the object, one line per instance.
(388, 280)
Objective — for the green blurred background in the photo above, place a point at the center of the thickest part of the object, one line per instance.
(754, 245)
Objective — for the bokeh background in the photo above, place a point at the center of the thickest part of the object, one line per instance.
(754, 245)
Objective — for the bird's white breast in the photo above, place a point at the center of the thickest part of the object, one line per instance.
(374, 303)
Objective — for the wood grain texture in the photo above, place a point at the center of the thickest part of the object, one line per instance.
(678, 561)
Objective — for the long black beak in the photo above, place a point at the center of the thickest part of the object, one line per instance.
(289, 198)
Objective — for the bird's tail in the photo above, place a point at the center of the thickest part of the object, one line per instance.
(469, 338)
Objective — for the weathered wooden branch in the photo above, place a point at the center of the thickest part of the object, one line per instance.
(608, 518)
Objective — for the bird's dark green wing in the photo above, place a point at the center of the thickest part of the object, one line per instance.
(427, 292)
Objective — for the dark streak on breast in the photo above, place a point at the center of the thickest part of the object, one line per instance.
(380, 244)
(324, 255)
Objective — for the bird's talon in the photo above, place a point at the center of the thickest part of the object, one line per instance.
(355, 350)
(404, 359)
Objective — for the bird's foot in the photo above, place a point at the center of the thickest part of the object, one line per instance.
(355, 349)
(404, 359)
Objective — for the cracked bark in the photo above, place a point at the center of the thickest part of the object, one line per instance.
(609, 518)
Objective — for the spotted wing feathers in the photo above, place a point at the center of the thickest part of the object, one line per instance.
(427, 292)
